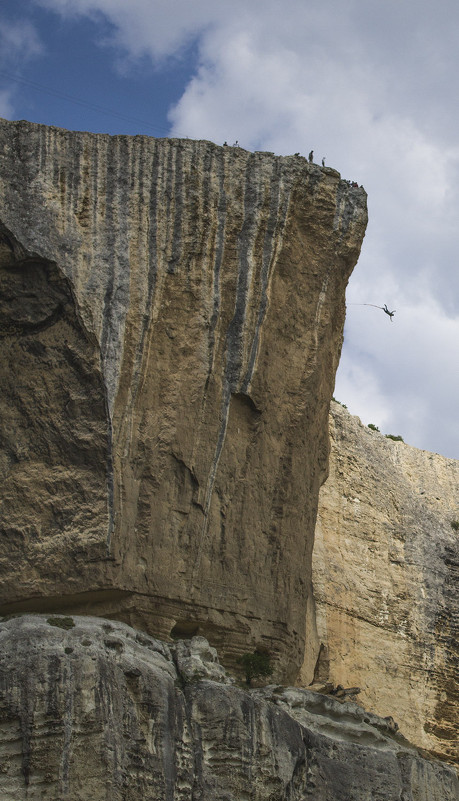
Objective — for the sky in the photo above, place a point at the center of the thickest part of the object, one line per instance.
(371, 86)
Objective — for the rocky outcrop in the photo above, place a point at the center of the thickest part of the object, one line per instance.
(171, 315)
(171, 318)
(385, 574)
(93, 709)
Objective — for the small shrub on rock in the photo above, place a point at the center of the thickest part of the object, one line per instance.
(256, 666)
(61, 622)
(339, 402)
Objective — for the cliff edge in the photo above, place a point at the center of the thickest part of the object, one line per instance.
(171, 315)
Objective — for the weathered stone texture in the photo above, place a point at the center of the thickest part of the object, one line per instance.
(92, 709)
(172, 315)
(386, 578)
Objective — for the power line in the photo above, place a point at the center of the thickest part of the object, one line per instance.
(80, 102)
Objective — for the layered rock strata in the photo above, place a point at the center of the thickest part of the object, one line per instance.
(92, 709)
(386, 577)
(171, 315)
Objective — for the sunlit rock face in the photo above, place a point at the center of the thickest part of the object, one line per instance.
(92, 709)
(385, 574)
(171, 321)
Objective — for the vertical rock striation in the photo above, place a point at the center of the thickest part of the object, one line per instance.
(171, 321)
(385, 574)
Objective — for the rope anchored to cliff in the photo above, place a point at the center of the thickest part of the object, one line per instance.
(383, 308)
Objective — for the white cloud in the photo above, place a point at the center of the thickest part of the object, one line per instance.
(140, 27)
(362, 391)
(19, 43)
(6, 104)
(401, 375)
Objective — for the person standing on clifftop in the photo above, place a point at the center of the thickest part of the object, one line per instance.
(311, 156)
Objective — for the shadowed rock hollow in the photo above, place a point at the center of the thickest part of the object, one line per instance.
(172, 316)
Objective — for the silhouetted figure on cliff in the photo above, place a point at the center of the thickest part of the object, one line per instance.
(311, 156)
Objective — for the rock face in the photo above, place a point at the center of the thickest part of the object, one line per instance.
(171, 315)
(386, 577)
(92, 709)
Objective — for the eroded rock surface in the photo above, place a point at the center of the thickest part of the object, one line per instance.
(386, 578)
(93, 709)
(171, 321)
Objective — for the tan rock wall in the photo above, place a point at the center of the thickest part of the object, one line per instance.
(175, 410)
(385, 575)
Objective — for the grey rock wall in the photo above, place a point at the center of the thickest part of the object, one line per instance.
(91, 709)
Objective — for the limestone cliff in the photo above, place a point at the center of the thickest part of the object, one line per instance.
(386, 577)
(171, 315)
(91, 709)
